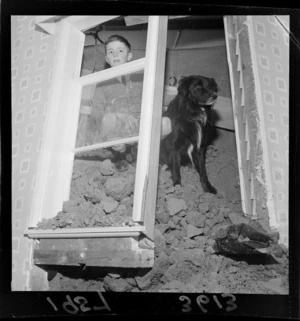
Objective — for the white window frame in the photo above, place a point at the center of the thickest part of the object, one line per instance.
(55, 165)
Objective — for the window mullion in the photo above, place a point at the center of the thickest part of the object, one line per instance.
(107, 74)
(142, 169)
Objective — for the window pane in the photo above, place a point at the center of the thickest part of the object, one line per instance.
(102, 186)
(101, 192)
(132, 28)
(110, 110)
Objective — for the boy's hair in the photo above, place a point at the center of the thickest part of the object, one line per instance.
(117, 38)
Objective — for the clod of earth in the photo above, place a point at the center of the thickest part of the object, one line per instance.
(188, 228)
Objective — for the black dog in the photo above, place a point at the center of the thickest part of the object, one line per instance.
(190, 112)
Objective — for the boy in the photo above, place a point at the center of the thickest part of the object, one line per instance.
(116, 106)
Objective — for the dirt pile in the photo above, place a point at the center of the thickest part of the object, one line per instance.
(100, 196)
(188, 224)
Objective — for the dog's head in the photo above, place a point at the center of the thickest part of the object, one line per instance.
(201, 90)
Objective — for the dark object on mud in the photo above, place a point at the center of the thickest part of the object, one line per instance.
(243, 243)
(190, 113)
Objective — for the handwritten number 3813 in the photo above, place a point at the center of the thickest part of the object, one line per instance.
(203, 300)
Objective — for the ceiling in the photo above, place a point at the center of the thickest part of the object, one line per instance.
(174, 23)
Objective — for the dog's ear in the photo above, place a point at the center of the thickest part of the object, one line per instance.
(184, 86)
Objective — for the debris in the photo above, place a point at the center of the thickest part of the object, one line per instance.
(176, 205)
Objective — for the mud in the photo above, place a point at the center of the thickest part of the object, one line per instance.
(188, 223)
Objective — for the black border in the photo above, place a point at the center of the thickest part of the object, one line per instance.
(34, 304)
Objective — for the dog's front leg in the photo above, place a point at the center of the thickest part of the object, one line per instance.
(199, 161)
(175, 167)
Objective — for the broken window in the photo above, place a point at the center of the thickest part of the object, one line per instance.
(100, 164)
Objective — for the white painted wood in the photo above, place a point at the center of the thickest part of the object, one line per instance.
(49, 27)
(108, 231)
(146, 116)
(120, 70)
(151, 181)
(48, 23)
(262, 132)
(129, 140)
(53, 128)
(229, 38)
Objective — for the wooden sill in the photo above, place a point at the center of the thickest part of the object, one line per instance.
(91, 232)
(100, 251)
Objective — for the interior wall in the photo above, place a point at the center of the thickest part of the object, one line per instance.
(32, 68)
(271, 46)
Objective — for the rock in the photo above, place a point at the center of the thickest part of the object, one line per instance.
(114, 275)
(109, 205)
(118, 188)
(274, 285)
(183, 232)
(176, 220)
(70, 207)
(106, 168)
(115, 285)
(210, 242)
(206, 230)
(162, 227)
(183, 222)
(203, 207)
(162, 217)
(170, 190)
(176, 205)
(283, 248)
(192, 231)
(192, 217)
(220, 232)
(233, 269)
(278, 253)
(143, 282)
(208, 222)
(170, 238)
(237, 218)
(153, 277)
(173, 286)
(94, 193)
(159, 242)
(189, 244)
(210, 250)
(275, 236)
(161, 264)
(180, 271)
(171, 225)
(182, 214)
(201, 241)
(131, 282)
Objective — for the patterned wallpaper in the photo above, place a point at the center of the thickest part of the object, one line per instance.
(31, 71)
(271, 42)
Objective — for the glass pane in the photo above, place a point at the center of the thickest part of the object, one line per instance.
(101, 192)
(132, 28)
(110, 110)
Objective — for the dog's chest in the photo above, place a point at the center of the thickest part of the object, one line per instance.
(198, 122)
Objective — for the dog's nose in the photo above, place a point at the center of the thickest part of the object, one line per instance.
(215, 96)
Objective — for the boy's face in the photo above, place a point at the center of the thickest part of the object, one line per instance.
(117, 53)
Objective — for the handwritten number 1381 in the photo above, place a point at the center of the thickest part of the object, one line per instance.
(72, 308)
(202, 300)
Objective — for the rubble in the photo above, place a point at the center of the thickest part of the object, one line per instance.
(191, 229)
